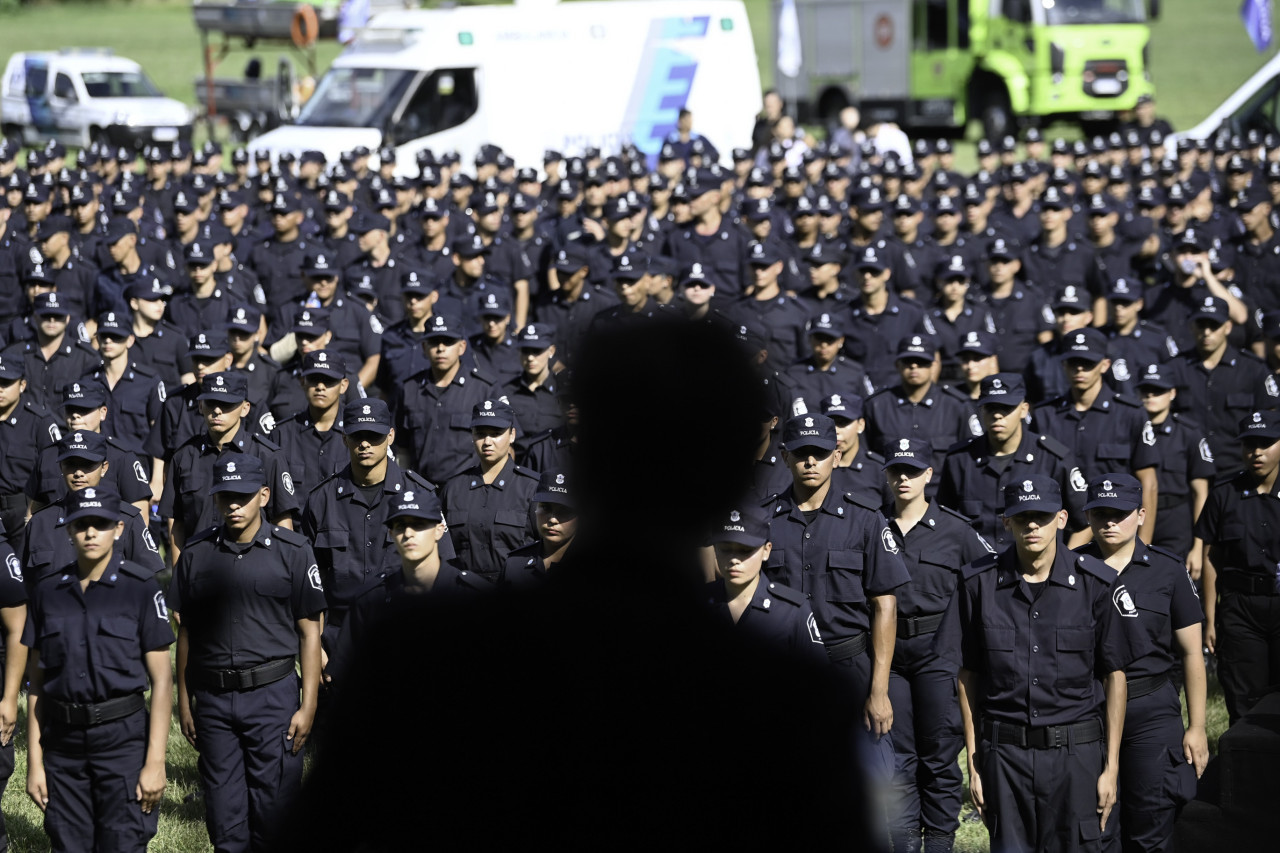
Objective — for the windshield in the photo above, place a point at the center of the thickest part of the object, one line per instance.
(119, 84)
(355, 97)
(1093, 12)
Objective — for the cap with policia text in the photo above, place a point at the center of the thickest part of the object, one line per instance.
(422, 504)
(98, 501)
(536, 336)
(1114, 491)
(1005, 389)
(554, 488)
(367, 415)
(809, 431)
(227, 387)
(907, 451)
(749, 527)
(1264, 425)
(493, 413)
(239, 473)
(324, 363)
(1037, 493)
(90, 446)
(842, 406)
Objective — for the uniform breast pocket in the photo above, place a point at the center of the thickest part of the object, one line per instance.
(52, 646)
(1115, 452)
(39, 563)
(998, 641)
(972, 509)
(510, 525)
(1075, 657)
(844, 576)
(461, 420)
(1153, 610)
(273, 586)
(1240, 401)
(332, 540)
(934, 581)
(775, 568)
(116, 645)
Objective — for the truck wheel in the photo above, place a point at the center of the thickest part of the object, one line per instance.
(96, 134)
(997, 117)
(12, 131)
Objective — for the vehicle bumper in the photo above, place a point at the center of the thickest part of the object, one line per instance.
(136, 136)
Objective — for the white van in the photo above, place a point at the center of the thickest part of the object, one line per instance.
(80, 95)
(534, 76)
(1253, 106)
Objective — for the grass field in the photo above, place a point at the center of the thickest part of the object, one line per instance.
(1200, 53)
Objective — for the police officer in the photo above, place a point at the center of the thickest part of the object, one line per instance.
(532, 393)
(312, 438)
(135, 392)
(776, 617)
(880, 319)
(826, 371)
(25, 430)
(434, 406)
(1238, 526)
(555, 517)
(858, 467)
(187, 502)
(975, 474)
(82, 459)
(344, 514)
(916, 407)
(934, 542)
(1159, 762)
(1104, 430)
(837, 549)
(98, 632)
(1185, 468)
(488, 504)
(84, 405)
(156, 341)
(13, 619)
(249, 598)
(53, 358)
(1038, 626)
(415, 523)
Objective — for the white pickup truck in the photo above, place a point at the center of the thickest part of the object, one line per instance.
(79, 95)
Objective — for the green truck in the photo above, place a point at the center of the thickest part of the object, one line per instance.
(937, 64)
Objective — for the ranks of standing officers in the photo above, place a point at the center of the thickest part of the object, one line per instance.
(354, 378)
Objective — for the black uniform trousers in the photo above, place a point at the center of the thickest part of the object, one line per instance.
(1248, 647)
(927, 738)
(1155, 778)
(874, 757)
(1048, 796)
(247, 765)
(92, 773)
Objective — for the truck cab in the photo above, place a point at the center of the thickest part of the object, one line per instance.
(937, 64)
(77, 96)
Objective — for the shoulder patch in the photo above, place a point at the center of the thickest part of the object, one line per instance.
(787, 594)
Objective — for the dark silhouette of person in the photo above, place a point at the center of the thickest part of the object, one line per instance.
(606, 707)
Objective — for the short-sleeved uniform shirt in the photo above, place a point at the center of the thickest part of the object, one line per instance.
(186, 497)
(241, 602)
(841, 556)
(1041, 653)
(1241, 525)
(13, 589)
(1162, 598)
(49, 549)
(93, 642)
(777, 617)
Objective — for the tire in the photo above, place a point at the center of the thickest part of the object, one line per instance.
(997, 117)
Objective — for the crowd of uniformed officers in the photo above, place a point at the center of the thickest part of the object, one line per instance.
(1016, 467)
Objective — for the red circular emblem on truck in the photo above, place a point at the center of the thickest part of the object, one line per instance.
(884, 31)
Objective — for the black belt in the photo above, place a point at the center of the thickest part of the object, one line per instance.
(75, 714)
(915, 626)
(1043, 737)
(1139, 687)
(244, 679)
(850, 648)
(9, 503)
(1247, 583)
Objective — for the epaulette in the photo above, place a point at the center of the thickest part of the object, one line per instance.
(419, 481)
(962, 444)
(952, 392)
(1057, 448)
(859, 500)
(35, 408)
(787, 594)
(142, 369)
(980, 565)
(266, 442)
(525, 472)
(284, 534)
(1096, 567)
(960, 515)
(206, 534)
(1125, 401)
(132, 569)
(1164, 552)
(129, 509)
